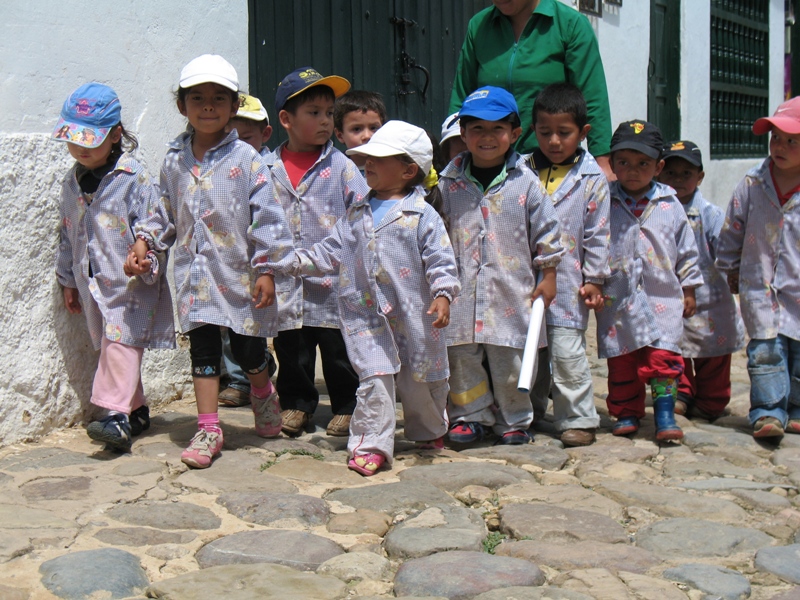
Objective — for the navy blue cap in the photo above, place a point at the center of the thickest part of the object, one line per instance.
(686, 150)
(641, 136)
(488, 104)
(303, 78)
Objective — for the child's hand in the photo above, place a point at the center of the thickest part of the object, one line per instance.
(592, 295)
(264, 291)
(71, 301)
(547, 286)
(689, 303)
(137, 262)
(733, 282)
(440, 306)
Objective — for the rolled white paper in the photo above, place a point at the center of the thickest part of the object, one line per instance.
(531, 352)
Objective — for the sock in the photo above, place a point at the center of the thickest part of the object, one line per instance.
(262, 392)
(111, 413)
(209, 422)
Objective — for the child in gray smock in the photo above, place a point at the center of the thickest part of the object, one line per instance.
(397, 278)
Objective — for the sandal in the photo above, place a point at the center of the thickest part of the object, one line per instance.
(366, 464)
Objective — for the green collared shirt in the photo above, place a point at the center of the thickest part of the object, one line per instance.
(558, 44)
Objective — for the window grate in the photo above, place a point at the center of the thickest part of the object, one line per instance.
(739, 76)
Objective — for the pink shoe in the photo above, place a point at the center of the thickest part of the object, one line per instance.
(205, 445)
(437, 444)
(267, 412)
(366, 464)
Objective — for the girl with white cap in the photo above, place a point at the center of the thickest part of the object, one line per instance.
(397, 278)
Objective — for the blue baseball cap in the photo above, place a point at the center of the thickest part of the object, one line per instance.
(303, 78)
(489, 104)
(88, 115)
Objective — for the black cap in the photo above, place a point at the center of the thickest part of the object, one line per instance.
(641, 136)
(303, 78)
(686, 150)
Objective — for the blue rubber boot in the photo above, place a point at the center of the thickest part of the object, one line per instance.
(664, 392)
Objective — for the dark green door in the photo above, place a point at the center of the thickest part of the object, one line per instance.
(663, 73)
(405, 49)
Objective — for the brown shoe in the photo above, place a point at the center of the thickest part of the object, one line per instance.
(232, 397)
(577, 437)
(339, 426)
(294, 421)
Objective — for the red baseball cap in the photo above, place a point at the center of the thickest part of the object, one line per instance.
(786, 118)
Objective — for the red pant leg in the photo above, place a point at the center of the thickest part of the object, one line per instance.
(626, 392)
(660, 364)
(713, 384)
(686, 385)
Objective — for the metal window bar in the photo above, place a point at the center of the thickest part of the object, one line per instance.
(739, 76)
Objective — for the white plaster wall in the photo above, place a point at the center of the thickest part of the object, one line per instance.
(48, 48)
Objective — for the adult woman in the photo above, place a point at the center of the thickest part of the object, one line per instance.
(524, 45)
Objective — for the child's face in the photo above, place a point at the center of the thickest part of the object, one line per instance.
(311, 126)
(357, 129)
(558, 135)
(682, 176)
(209, 107)
(255, 133)
(635, 171)
(388, 176)
(452, 147)
(784, 150)
(93, 158)
(488, 141)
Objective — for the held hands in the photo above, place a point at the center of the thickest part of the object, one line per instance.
(689, 303)
(137, 262)
(592, 295)
(264, 291)
(547, 287)
(440, 306)
(733, 282)
(71, 301)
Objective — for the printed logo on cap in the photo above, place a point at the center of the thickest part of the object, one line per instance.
(477, 95)
(677, 146)
(637, 128)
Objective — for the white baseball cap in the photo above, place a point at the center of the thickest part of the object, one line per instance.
(209, 68)
(399, 137)
(451, 127)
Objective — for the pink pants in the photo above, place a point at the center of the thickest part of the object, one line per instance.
(118, 380)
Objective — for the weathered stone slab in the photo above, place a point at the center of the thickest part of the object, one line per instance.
(356, 566)
(57, 488)
(463, 575)
(531, 593)
(761, 501)
(238, 472)
(783, 561)
(296, 549)
(22, 517)
(718, 484)
(566, 496)
(136, 467)
(107, 573)
(559, 525)
(393, 498)
(172, 515)
(143, 536)
(14, 544)
(716, 581)
(454, 476)
(45, 458)
(580, 555)
(711, 435)
(669, 502)
(315, 471)
(547, 457)
(793, 594)
(361, 521)
(436, 529)
(167, 551)
(786, 457)
(267, 508)
(12, 593)
(695, 538)
(262, 581)
(612, 453)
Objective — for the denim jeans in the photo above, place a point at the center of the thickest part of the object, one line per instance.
(774, 368)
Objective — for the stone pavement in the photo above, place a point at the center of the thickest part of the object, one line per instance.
(714, 517)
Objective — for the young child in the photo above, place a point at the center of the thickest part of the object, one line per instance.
(217, 206)
(715, 330)
(451, 144)
(654, 272)
(758, 250)
(252, 124)
(357, 115)
(397, 278)
(102, 197)
(504, 230)
(579, 191)
(312, 179)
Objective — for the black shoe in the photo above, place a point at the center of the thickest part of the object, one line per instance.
(114, 430)
(140, 420)
(514, 438)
